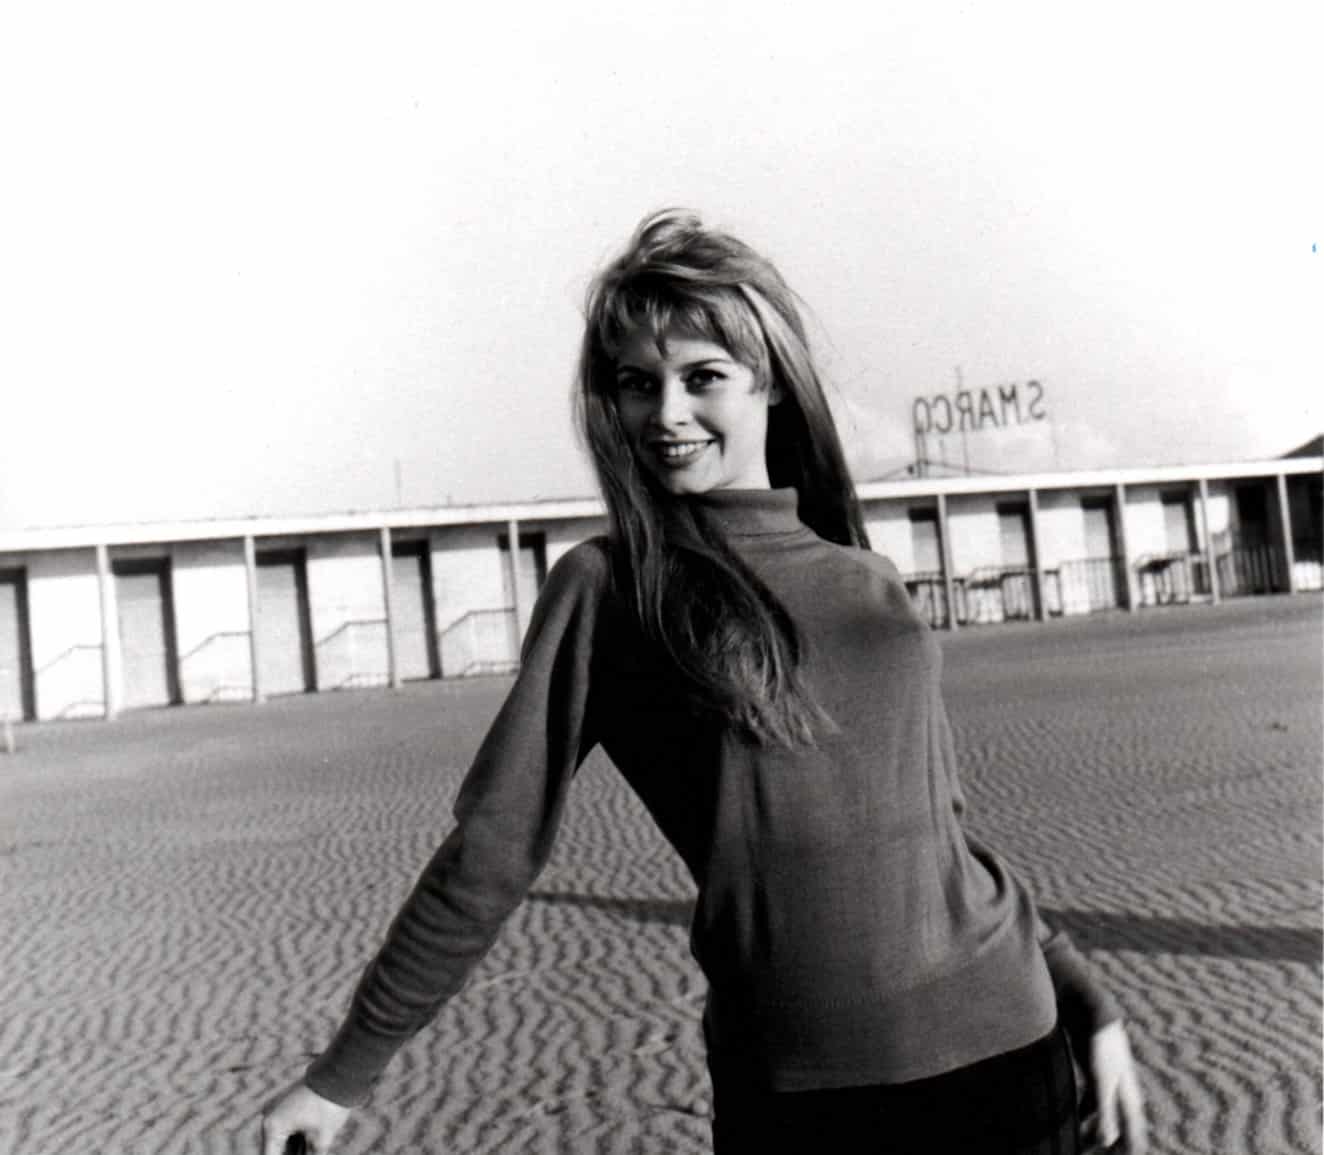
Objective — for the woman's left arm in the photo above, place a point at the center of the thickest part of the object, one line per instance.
(1093, 1021)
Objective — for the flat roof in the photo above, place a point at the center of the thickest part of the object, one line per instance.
(567, 509)
(1086, 478)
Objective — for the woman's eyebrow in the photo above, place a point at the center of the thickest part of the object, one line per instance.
(626, 367)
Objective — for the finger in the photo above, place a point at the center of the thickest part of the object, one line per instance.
(273, 1138)
(1108, 1117)
(1133, 1113)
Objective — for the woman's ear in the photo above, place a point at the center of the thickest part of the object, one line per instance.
(776, 393)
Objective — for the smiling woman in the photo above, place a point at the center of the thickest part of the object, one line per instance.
(877, 977)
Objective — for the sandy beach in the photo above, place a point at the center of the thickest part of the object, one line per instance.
(188, 896)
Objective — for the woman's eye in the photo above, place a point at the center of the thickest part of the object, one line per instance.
(701, 377)
(635, 385)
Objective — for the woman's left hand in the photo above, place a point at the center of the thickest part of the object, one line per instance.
(1116, 1090)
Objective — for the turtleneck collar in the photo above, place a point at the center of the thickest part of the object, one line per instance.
(752, 512)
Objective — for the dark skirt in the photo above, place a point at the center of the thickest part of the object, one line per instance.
(1020, 1103)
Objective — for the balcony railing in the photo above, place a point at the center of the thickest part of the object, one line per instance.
(1171, 578)
(987, 594)
(995, 594)
(1085, 585)
(1254, 569)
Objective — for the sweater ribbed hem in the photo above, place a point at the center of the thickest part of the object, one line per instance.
(1002, 1000)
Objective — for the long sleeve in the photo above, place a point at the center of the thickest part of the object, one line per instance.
(507, 814)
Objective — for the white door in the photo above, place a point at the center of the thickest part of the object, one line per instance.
(146, 649)
(282, 626)
(411, 608)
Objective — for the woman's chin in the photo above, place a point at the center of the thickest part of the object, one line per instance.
(679, 485)
(681, 482)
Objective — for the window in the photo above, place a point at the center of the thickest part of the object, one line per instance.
(1014, 535)
(1178, 522)
(1099, 539)
(924, 540)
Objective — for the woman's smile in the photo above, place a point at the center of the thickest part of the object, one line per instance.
(679, 454)
(696, 417)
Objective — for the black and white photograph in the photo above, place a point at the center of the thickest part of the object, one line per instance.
(736, 578)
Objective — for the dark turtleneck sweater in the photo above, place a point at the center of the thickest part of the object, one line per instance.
(850, 930)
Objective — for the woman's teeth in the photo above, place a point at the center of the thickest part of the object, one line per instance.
(679, 453)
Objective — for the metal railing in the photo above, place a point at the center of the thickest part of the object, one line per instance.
(61, 682)
(480, 642)
(985, 595)
(1254, 569)
(218, 669)
(1085, 585)
(1308, 563)
(991, 594)
(995, 594)
(1171, 578)
(352, 655)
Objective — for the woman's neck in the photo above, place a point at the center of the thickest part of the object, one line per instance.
(751, 512)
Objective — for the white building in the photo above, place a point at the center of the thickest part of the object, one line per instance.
(96, 620)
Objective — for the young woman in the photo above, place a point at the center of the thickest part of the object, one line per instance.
(878, 980)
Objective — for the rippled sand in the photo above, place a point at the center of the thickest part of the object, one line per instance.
(188, 896)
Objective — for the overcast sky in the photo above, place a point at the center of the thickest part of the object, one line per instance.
(308, 258)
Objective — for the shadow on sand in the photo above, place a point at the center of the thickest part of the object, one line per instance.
(1099, 930)
(1091, 930)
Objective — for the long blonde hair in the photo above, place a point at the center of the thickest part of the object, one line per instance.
(725, 632)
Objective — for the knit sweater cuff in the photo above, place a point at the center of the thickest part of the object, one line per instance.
(355, 1059)
(1083, 1006)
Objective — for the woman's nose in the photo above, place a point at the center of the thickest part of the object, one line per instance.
(673, 404)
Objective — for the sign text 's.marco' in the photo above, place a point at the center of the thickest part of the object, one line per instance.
(971, 410)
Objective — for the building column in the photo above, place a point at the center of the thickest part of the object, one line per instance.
(1040, 600)
(1128, 574)
(1209, 558)
(512, 536)
(388, 582)
(945, 541)
(111, 660)
(1285, 523)
(250, 576)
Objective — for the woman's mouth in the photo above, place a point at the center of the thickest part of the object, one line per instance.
(675, 454)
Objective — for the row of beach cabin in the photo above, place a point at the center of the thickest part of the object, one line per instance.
(98, 620)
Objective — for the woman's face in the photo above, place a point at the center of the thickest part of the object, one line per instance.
(695, 417)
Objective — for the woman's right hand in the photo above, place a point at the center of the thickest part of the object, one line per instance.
(302, 1111)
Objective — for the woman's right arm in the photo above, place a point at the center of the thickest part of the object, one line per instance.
(507, 813)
